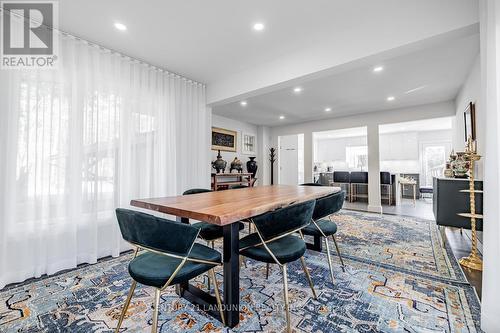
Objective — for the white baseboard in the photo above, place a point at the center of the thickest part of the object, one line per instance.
(374, 209)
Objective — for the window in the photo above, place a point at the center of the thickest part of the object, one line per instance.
(357, 157)
(433, 161)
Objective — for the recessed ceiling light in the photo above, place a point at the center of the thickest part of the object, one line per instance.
(282, 117)
(120, 26)
(391, 98)
(297, 89)
(243, 103)
(258, 26)
(378, 69)
(328, 109)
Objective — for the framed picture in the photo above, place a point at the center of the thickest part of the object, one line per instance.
(223, 139)
(248, 144)
(470, 121)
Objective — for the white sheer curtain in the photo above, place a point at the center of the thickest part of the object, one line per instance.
(79, 141)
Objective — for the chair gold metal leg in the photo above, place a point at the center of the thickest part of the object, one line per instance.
(154, 328)
(285, 292)
(267, 271)
(125, 306)
(329, 259)
(217, 295)
(243, 262)
(338, 252)
(208, 281)
(306, 271)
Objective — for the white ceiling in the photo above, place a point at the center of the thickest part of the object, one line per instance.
(204, 39)
(426, 76)
(208, 40)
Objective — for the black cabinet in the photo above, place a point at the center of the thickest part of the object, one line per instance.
(448, 201)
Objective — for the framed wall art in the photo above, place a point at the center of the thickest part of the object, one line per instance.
(248, 144)
(470, 121)
(224, 139)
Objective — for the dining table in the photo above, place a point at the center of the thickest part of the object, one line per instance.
(226, 209)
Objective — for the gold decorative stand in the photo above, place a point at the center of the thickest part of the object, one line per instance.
(473, 261)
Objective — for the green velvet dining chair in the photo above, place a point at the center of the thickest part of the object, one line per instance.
(322, 224)
(276, 242)
(169, 256)
(235, 187)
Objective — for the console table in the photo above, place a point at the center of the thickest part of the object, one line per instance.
(409, 182)
(225, 180)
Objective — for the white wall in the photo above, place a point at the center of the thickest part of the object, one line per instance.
(240, 127)
(470, 92)
(263, 143)
(401, 152)
(490, 101)
(333, 150)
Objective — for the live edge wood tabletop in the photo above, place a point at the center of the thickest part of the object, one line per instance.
(226, 207)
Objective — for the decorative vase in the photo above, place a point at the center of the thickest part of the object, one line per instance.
(252, 166)
(219, 164)
(460, 166)
(448, 173)
(236, 165)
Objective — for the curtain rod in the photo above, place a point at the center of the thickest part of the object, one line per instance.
(112, 51)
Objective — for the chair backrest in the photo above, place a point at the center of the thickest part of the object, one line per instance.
(328, 205)
(385, 178)
(284, 220)
(156, 233)
(235, 187)
(311, 184)
(253, 181)
(359, 177)
(196, 191)
(341, 177)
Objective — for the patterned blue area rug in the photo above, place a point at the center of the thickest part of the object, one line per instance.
(398, 279)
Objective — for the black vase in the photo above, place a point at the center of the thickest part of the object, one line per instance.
(252, 166)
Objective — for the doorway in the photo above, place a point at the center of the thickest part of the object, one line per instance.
(291, 159)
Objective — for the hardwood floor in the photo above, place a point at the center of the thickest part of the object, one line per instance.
(422, 208)
(460, 245)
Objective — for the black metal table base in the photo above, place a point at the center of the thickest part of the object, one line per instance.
(203, 300)
(317, 245)
(231, 259)
(231, 267)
